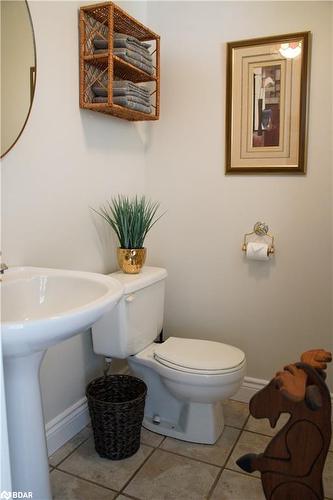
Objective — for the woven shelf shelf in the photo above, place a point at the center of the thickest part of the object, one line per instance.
(121, 69)
(121, 112)
(102, 21)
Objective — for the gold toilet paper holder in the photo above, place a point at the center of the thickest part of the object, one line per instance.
(260, 229)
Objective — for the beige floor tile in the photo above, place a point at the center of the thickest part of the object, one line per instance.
(169, 477)
(331, 443)
(86, 463)
(68, 447)
(235, 486)
(235, 413)
(66, 487)
(247, 443)
(328, 476)
(215, 454)
(151, 438)
(262, 425)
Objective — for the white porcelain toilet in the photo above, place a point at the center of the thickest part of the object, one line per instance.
(187, 379)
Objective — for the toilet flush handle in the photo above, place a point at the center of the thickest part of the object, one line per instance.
(130, 298)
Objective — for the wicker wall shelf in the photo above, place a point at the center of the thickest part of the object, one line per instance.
(103, 68)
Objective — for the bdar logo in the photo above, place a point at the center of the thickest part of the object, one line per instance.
(6, 495)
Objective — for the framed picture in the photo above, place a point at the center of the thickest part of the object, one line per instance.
(266, 104)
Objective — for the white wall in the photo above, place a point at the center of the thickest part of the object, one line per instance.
(66, 161)
(276, 310)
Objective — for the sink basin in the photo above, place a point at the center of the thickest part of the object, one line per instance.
(40, 308)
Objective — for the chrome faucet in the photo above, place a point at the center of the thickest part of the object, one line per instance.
(3, 268)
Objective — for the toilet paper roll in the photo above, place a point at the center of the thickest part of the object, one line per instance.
(257, 251)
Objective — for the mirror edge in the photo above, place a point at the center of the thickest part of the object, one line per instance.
(34, 87)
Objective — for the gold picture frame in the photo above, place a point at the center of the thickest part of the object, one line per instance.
(266, 104)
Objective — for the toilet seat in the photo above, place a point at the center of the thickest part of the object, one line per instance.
(204, 357)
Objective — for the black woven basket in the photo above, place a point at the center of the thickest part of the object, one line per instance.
(116, 406)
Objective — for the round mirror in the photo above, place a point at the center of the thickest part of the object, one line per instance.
(18, 70)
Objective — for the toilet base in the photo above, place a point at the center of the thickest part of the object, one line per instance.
(197, 423)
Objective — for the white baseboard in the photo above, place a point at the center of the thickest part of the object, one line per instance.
(64, 426)
(68, 423)
(250, 386)
(248, 389)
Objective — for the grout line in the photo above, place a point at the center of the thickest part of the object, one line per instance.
(152, 432)
(103, 485)
(72, 451)
(261, 433)
(242, 473)
(153, 449)
(227, 459)
(85, 479)
(137, 470)
(235, 427)
(190, 458)
(127, 496)
(199, 459)
(152, 445)
(164, 438)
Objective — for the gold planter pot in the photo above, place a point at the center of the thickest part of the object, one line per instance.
(131, 260)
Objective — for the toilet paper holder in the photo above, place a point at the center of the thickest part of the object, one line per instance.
(260, 229)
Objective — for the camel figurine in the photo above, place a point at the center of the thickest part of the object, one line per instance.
(292, 464)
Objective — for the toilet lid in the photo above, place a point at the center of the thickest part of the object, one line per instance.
(199, 355)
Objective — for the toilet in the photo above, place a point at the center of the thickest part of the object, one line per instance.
(187, 379)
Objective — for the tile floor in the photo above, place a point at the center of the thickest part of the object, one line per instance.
(168, 469)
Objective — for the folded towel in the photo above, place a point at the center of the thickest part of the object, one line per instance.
(130, 98)
(121, 87)
(123, 93)
(130, 92)
(134, 55)
(128, 104)
(100, 43)
(122, 100)
(132, 105)
(129, 84)
(123, 42)
(145, 67)
(99, 91)
(100, 99)
(129, 38)
(99, 51)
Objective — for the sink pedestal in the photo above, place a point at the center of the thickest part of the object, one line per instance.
(27, 442)
(40, 308)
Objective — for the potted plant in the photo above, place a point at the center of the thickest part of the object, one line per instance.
(131, 219)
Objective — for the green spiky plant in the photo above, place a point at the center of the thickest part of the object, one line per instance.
(130, 218)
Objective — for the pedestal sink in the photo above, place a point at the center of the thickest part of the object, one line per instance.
(40, 308)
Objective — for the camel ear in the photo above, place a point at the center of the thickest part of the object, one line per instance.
(313, 398)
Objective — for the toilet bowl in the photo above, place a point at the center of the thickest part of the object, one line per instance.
(187, 379)
(185, 399)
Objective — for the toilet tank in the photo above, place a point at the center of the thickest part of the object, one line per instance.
(137, 319)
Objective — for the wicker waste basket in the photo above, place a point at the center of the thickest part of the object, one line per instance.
(116, 406)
